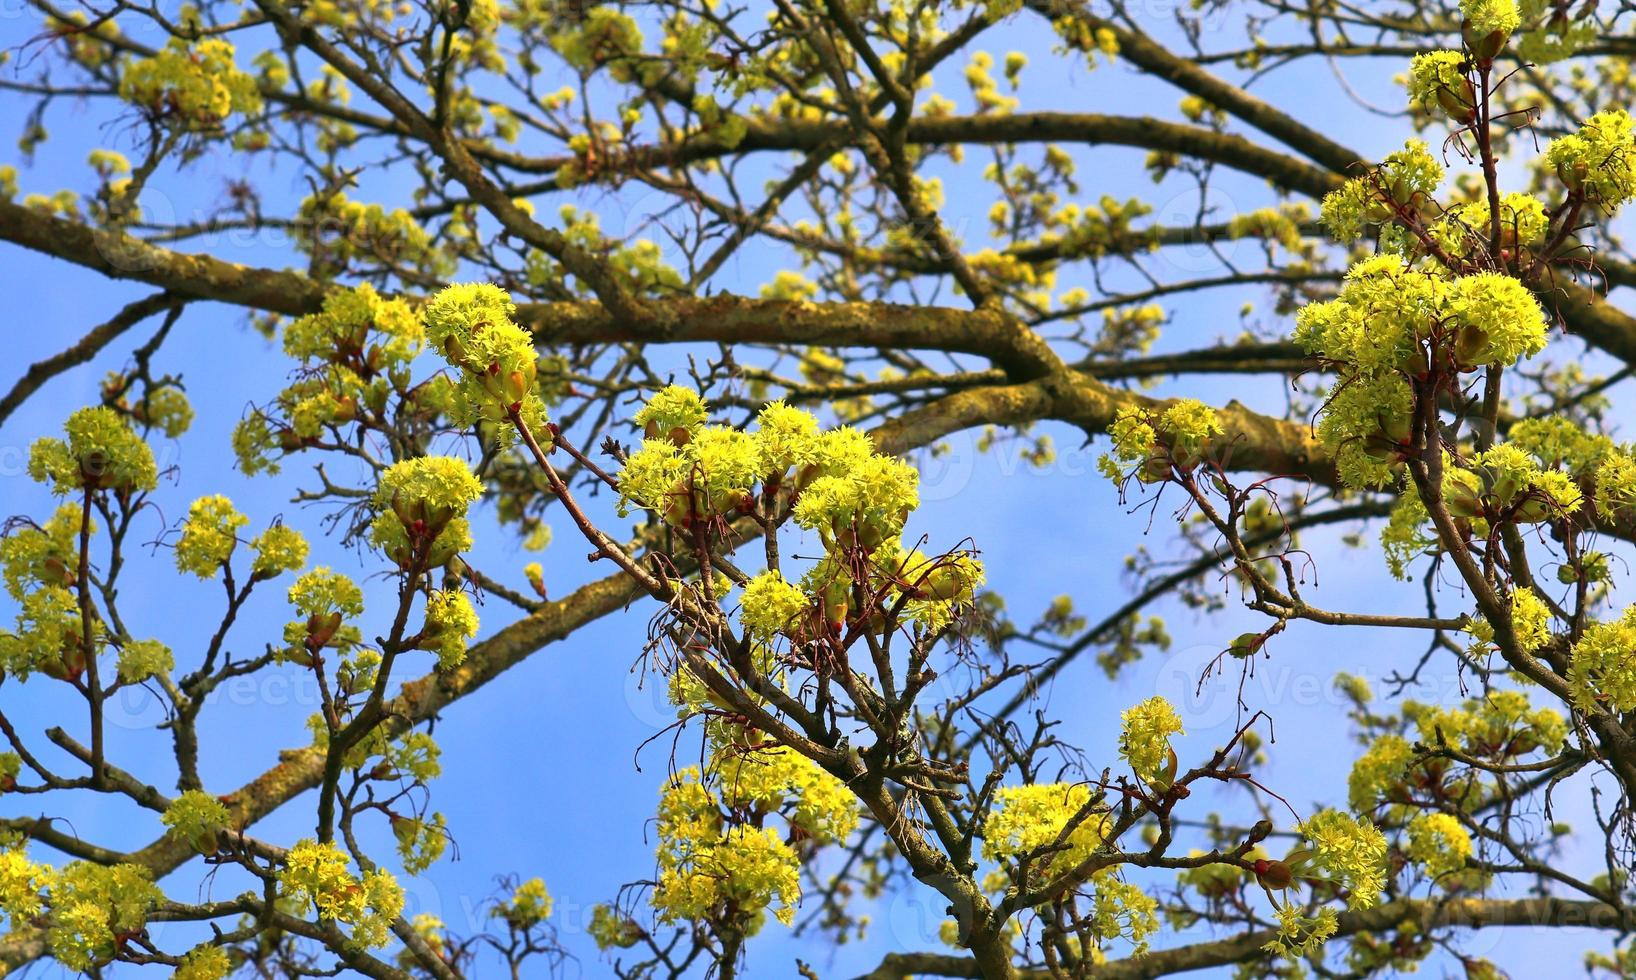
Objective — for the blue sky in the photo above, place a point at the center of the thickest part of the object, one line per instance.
(543, 776)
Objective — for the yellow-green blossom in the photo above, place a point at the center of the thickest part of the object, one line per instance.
(278, 549)
(91, 905)
(471, 324)
(207, 962)
(195, 86)
(529, 905)
(101, 453)
(1144, 741)
(1599, 160)
(1438, 843)
(421, 510)
(450, 622)
(208, 536)
(316, 876)
(1352, 852)
(197, 818)
(142, 659)
(670, 409)
(771, 606)
(1602, 667)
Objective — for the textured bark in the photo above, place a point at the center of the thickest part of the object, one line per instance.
(1467, 913)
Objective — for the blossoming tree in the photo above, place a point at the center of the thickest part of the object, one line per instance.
(1441, 367)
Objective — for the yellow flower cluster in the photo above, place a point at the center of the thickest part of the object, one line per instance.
(354, 354)
(1602, 668)
(1530, 622)
(142, 659)
(1599, 160)
(278, 549)
(208, 536)
(1352, 852)
(471, 325)
(337, 231)
(91, 906)
(207, 962)
(777, 779)
(316, 876)
(450, 622)
(22, 885)
(1437, 81)
(197, 818)
(688, 471)
(1156, 441)
(194, 87)
(1406, 180)
(101, 453)
(771, 606)
(43, 556)
(421, 840)
(1144, 740)
(1485, 17)
(710, 868)
(530, 904)
(1438, 843)
(1028, 818)
(1389, 321)
(325, 599)
(421, 510)
(1035, 818)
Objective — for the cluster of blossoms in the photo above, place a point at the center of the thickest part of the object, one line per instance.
(355, 355)
(207, 962)
(1439, 81)
(40, 566)
(1154, 442)
(1391, 323)
(40, 563)
(1536, 475)
(611, 929)
(421, 504)
(718, 860)
(1144, 741)
(692, 473)
(88, 908)
(529, 905)
(101, 453)
(1038, 818)
(194, 86)
(1530, 623)
(1602, 667)
(338, 233)
(421, 840)
(1439, 843)
(208, 536)
(197, 818)
(1029, 818)
(1405, 182)
(1464, 230)
(316, 877)
(1598, 161)
(421, 525)
(1349, 852)
(1502, 727)
(471, 325)
(325, 599)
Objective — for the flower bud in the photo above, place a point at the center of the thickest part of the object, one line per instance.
(1274, 874)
